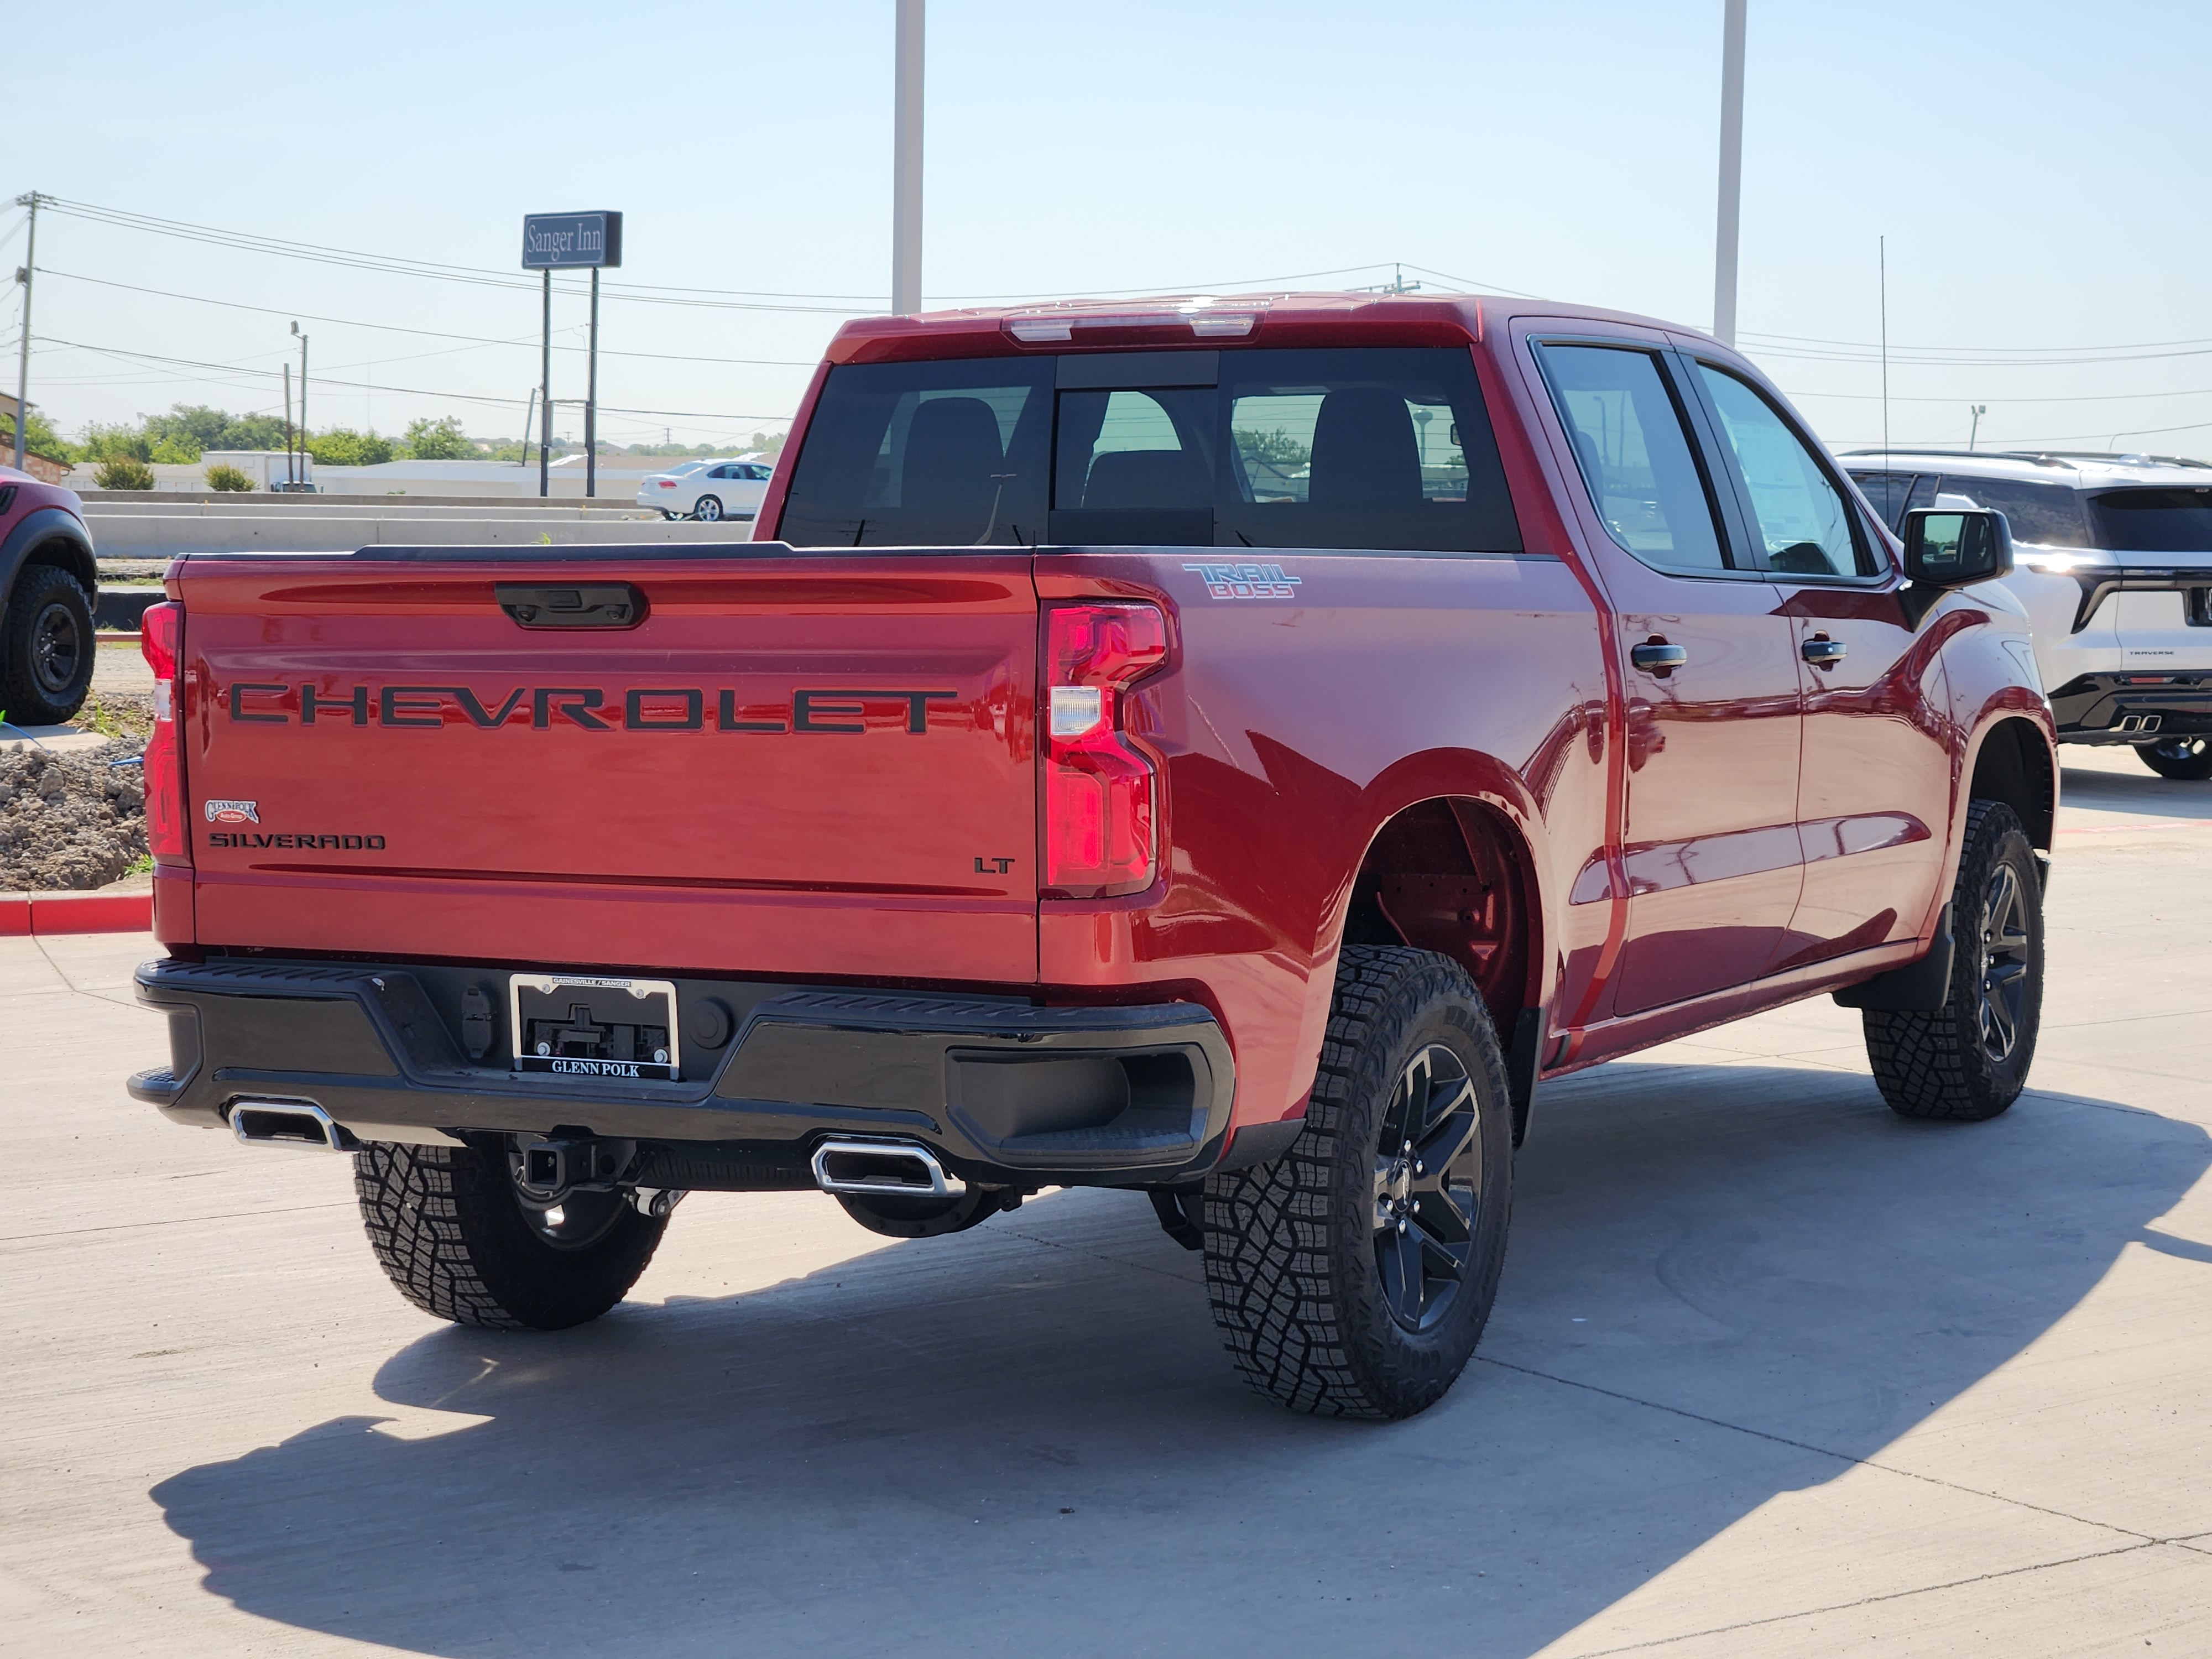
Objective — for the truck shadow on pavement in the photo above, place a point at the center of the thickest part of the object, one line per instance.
(1726, 1283)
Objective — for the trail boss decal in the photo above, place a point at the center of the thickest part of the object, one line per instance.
(593, 708)
(1246, 582)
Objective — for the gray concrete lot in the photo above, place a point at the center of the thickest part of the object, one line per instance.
(1772, 1373)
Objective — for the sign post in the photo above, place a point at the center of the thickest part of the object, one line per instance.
(571, 241)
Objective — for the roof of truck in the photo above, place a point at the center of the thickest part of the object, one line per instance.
(1201, 321)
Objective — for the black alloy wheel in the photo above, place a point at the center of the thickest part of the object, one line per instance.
(1428, 1172)
(579, 1221)
(707, 509)
(2006, 947)
(57, 648)
(2184, 760)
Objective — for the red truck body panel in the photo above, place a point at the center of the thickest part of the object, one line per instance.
(1689, 849)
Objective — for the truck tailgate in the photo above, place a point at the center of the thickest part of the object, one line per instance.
(791, 766)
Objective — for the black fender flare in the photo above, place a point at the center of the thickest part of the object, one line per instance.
(39, 532)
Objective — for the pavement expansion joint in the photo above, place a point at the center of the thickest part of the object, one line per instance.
(2141, 1538)
(186, 1221)
(1874, 1600)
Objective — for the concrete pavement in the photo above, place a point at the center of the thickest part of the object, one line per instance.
(1772, 1373)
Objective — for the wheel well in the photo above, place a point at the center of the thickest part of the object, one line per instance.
(1451, 876)
(63, 554)
(2014, 767)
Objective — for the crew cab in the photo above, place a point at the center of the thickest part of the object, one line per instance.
(1233, 750)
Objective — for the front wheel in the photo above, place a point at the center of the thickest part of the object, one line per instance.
(1968, 1061)
(454, 1236)
(1353, 1277)
(707, 510)
(2185, 760)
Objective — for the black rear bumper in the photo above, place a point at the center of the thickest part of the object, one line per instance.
(2134, 708)
(1002, 1091)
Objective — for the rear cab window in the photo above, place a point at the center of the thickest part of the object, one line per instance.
(1381, 449)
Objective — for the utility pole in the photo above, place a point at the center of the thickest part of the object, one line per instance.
(303, 402)
(23, 347)
(1731, 183)
(545, 397)
(906, 162)
(591, 400)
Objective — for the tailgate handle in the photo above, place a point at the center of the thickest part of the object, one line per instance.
(580, 604)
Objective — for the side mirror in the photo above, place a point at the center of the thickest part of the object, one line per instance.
(1956, 548)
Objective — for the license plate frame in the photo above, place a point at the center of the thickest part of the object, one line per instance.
(652, 1001)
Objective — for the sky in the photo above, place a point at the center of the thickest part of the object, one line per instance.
(2037, 170)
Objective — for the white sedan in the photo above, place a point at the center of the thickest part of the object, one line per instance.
(707, 491)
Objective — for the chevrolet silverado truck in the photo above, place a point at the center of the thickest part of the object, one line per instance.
(1230, 751)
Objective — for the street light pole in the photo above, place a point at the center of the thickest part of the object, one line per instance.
(906, 162)
(1731, 182)
(303, 402)
(545, 398)
(23, 347)
(592, 401)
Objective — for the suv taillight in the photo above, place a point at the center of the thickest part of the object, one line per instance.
(1101, 791)
(160, 636)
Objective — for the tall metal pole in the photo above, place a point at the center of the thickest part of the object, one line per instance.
(303, 404)
(1882, 247)
(906, 164)
(591, 400)
(23, 348)
(288, 474)
(545, 397)
(1731, 191)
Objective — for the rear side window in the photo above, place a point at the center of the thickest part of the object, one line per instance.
(1634, 454)
(2049, 514)
(1388, 449)
(2153, 520)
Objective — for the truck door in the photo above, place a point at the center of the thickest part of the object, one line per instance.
(1711, 852)
(1874, 783)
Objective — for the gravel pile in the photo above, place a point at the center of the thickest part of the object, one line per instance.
(68, 820)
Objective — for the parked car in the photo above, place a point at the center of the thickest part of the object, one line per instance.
(707, 491)
(2114, 562)
(48, 577)
(1037, 802)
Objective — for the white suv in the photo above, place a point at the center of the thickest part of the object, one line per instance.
(2114, 562)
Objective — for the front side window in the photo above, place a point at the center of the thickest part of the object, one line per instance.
(1802, 520)
(1634, 454)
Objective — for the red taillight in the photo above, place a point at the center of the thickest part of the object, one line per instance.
(159, 636)
(1100, 792)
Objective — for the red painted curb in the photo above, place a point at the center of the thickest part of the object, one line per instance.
(51, 913)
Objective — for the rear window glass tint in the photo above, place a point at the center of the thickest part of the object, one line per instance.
(2153, 520)
(2048, 515)
(1389, 449)
(945, 454)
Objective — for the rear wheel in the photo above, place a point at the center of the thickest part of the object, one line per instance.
(45, 648)
(2185, 760)
(1968, 1061)
(707, 510)
(452, 1234)
(1353, 1276)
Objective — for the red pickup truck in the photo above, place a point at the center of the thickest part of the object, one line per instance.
(1232, 751)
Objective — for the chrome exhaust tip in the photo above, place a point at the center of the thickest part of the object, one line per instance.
(897, 1168)
(289, 1123)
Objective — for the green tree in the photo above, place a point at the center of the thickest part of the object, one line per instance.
(439, 440)
(115, 443)
(1277, 449)
(342, 447)
(40, 438)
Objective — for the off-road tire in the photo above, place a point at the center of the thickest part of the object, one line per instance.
(32, 691)
(450, 1235)
(2185, 760)
(1290, 1245)
(1938, 1065)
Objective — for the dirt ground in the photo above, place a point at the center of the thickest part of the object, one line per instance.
(75, 820)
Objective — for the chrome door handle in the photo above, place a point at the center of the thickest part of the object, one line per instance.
(1657, 657)
(1822, 652)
